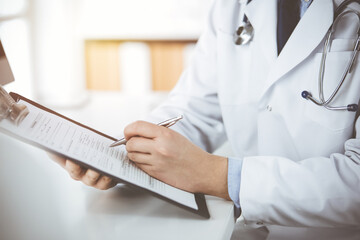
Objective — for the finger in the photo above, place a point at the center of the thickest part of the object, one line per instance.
(91, 177)
(75, 170)
(59, 160)
(141, 158)
(105, 182)
(139, 144)
(142, 129)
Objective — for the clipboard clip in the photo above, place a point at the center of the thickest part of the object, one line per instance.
(10, 109)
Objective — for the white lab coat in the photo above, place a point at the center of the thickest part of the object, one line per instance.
(301, 164)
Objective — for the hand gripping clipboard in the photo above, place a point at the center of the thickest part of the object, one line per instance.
(191, 202)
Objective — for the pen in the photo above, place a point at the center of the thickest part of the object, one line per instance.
(166, 123)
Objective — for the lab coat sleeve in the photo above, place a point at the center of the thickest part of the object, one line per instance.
(195, 96)
(315, 192)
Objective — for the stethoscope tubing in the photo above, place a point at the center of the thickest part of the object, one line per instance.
(348, 70)
(345, 73)
(245, 32)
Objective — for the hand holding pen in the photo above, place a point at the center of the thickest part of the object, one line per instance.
(167, 123)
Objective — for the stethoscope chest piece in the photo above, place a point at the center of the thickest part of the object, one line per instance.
(244, 34)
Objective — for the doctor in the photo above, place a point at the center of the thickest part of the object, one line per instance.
(295, 171)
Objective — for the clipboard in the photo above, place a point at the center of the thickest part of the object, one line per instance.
(201, 206)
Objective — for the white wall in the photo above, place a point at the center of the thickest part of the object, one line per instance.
(45, 47)
(167, 19)
(57, 52)
(14, 33)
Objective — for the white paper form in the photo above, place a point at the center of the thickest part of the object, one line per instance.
(82, 144)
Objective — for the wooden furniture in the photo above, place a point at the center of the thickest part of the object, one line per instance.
(103, 61)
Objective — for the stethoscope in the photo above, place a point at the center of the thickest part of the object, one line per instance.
(245, 33)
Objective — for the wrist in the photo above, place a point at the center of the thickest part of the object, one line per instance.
(214, 177)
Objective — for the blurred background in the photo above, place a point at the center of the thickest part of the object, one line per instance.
(102, 62)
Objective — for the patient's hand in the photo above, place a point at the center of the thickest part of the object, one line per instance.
(87, 176)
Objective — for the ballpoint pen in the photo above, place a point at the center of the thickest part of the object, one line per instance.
(166, 123)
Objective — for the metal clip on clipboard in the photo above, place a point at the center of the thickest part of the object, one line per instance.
(11, 110)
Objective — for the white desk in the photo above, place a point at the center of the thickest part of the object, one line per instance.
(39, 201)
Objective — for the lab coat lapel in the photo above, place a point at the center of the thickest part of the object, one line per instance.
(307, 35)
(262, 15)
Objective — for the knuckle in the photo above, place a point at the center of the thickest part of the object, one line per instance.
(92, 177)
(163, 151)
(127, 130)
(105, 183)
(167, 133)
(102, 187)
(136, 125)
(133, 128)
(75, 172)
(106, 187)
(72, 167)
(86, 181)
(76, 178)
(106, 179)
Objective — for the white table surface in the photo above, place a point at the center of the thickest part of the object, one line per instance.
(40, 201)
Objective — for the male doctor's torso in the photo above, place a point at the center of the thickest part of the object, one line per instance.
(300, 161)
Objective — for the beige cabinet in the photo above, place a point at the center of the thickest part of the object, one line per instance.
(103, 63)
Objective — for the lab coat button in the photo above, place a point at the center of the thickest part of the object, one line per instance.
(260, 223)
(269, 108)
